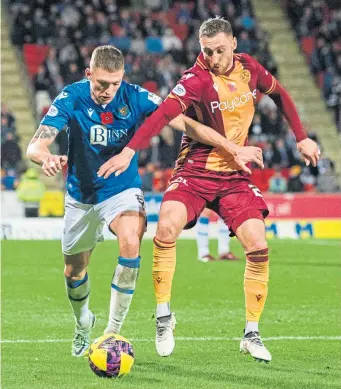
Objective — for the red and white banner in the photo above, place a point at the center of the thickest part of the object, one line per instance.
(304, 205)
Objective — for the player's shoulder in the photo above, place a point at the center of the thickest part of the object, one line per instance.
(198, 74)
(141, 93)
(246, 60)
(79, 88)
(131, 88)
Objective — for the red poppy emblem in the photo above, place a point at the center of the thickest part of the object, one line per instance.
(107, 117)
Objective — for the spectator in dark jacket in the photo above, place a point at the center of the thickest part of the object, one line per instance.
(294, 182)
(10, 151)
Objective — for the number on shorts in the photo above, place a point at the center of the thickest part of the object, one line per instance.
(255, 190)
(140, 199)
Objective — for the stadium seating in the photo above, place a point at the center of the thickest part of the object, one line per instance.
(156, 72)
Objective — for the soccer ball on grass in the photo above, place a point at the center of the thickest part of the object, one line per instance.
(111, 356)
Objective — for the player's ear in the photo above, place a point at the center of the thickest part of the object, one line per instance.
(87, 73)
(234, 44)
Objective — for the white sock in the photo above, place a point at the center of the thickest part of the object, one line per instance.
(223, 238)
(163, 309)
(78, 293)
(122, 290)
(202, 236)
(251, 326)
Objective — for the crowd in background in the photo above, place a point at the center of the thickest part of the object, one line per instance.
(10, 150)
(321, 19)
(159, 43)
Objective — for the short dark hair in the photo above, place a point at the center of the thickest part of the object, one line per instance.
(214, 26)
(108, 58)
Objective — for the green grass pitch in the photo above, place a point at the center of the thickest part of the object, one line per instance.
(304, 301)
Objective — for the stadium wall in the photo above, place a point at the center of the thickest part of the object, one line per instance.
(296, 216)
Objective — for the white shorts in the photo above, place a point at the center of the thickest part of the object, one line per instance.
(83, 223)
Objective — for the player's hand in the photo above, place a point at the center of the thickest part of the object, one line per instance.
(246, 154)
(53, 164)
(117, 164)
(309, 151)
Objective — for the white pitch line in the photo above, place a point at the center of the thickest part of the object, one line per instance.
(181, 338)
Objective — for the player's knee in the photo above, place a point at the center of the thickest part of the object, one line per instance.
(166, 231)
(74, 273)
(256, 245)
(129, 244)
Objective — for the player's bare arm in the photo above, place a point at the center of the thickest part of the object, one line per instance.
(39, 153)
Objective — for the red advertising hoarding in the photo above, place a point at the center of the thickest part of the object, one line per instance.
(304, 205)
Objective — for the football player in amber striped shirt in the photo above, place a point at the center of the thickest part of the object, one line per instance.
(220, 90)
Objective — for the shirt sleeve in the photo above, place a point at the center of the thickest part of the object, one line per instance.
(147, 101)
(187, 91)
(61, 110)
(269, 85)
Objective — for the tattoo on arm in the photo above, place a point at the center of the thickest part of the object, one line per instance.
(45, 132)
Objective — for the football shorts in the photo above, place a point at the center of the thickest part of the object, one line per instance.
(83, 223)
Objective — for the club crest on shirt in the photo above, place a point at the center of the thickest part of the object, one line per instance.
(179, 90)
(245, 76)
(122, 111)
(53, 111)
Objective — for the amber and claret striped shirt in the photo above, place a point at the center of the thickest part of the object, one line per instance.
(225, 103)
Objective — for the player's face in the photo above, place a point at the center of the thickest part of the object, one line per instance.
(218, 52)
(104, 84)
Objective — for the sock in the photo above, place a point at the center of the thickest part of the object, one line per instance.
(122, 290)
(202, 236)
(256, 279)
(251, 326)
(164, 260)
(78, 293)
(223, 238)
(162, 310)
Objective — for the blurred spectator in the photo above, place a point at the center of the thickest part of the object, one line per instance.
(147, 174)
(9, 179)
(268, 154)
(30, 191)
(245, 45)
(328, 182)
(278, 183)
(73, 74)
(294, 182)
(281, 155)
(154, 43)
(308, 179)
(10, 151)
(170, 41)
(5, 112)
(5, 128)
(321, 19)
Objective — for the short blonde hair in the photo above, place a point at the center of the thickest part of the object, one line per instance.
(108, 58)
(214, 26)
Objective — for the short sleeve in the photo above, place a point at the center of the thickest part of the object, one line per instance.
(147, 101)
(188, 90)
(61, 110)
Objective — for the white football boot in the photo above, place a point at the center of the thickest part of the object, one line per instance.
(81, 340)
(252, 344)
(164, 340)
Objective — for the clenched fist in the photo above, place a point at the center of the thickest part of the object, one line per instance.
(54, 164)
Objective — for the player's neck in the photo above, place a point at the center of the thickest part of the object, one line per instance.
(101, 103)
(229, 68)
